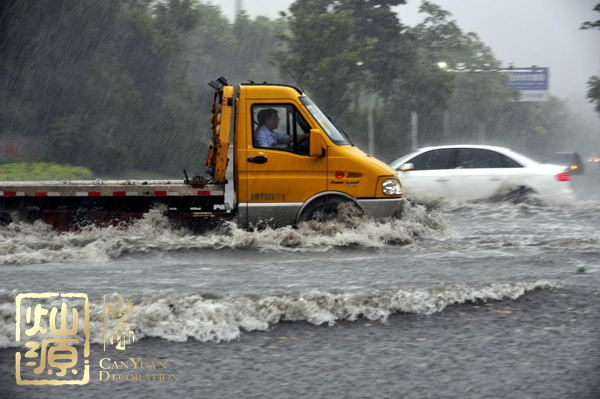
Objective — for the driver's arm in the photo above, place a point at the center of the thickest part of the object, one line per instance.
(282, 138)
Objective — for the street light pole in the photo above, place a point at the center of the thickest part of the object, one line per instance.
(371, 123)
(481, 132)
(238, 7)
(414, 125)
(446, 124)
(372, 102)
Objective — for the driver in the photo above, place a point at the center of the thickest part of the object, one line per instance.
(266, 137)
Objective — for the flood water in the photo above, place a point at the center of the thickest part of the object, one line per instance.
(455, 300)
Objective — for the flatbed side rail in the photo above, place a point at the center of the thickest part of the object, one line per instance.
(84, 188)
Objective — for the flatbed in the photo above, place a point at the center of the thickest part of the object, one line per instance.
(65, 204)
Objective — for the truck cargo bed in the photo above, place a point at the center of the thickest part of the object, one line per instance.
(67, 203)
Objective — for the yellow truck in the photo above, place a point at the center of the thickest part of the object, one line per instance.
(274, 157)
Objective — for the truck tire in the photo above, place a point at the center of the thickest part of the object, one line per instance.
(5, 218)
(330, 208)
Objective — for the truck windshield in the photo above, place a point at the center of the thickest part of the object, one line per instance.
(328, 126)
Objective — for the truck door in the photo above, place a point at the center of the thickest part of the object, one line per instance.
(280, 174)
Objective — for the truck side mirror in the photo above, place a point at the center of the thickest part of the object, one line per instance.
(317, 144)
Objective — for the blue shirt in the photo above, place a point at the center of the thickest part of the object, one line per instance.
(268, 139)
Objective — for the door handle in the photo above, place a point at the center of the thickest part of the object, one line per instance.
(442, 179)
(259, 159)
(496, 178)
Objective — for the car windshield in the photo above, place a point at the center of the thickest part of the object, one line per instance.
(337, 136)
(395, 164)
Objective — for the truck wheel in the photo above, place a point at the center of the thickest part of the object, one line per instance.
(330, 208)
(5, 218)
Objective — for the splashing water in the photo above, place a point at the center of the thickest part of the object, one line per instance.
(23, 243)
(212, 317)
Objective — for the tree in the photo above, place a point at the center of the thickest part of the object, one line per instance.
(349, 54)
(113, 85)
(338, 47)
(592, 24)
(102, 83)
(593, 93)
(477, 96)
(254, 41)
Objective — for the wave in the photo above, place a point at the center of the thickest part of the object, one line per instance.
(210, 317)
(23, 243)
(509, 202)
(503, 225)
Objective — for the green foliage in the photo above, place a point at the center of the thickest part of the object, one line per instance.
(120, 85)
(336, 48)
(475, 97)
(112, 85)
(594, 92)
(592, 24)
(43, 171)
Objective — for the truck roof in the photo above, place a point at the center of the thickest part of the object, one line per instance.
(273, 84)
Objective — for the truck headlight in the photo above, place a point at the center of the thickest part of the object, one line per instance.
(391, 187)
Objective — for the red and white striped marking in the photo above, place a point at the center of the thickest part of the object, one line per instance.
(125, 193)
(157, 193)
(166, 193)
(87, 194)
(46, 194)
(12, 194)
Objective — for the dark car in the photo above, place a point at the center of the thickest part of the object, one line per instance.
(570, 159)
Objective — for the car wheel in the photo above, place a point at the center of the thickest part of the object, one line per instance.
(520, 194)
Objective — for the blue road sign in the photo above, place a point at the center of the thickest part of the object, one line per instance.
(533, 83)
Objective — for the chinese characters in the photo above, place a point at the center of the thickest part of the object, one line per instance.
(122, 335)
(280, 197)
(52, 353)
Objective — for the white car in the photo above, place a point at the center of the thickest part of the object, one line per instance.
(472, 172)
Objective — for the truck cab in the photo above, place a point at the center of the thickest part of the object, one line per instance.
(290, 161)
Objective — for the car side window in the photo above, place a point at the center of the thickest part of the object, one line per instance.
(280, 127)
(476, 158)
(471, 158)
(434, 160)
(506, 162)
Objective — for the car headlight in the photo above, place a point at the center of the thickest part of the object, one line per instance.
(391, 187)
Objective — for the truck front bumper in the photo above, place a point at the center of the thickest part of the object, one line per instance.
(382, 207)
